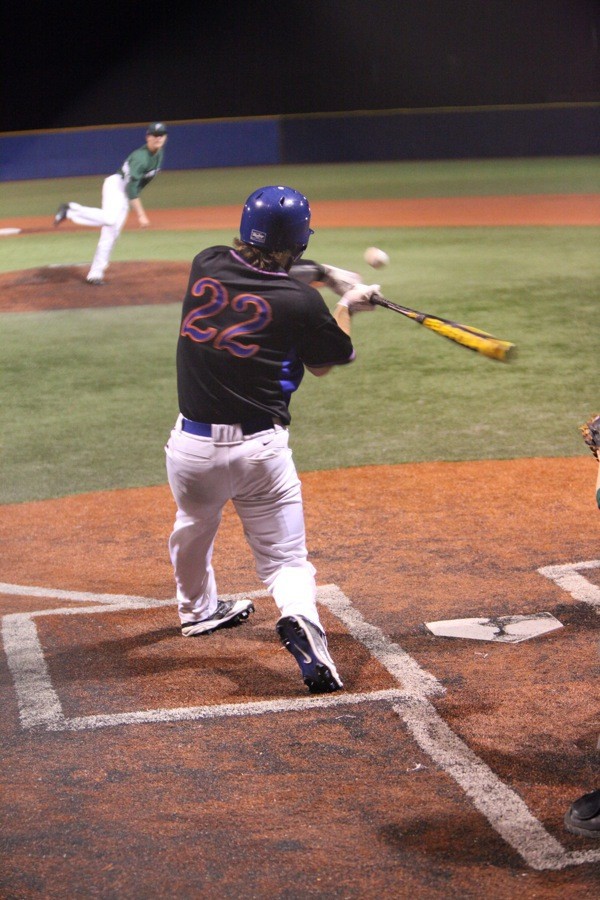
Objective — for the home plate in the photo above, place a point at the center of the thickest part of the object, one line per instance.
(501, 629)
(4, 231)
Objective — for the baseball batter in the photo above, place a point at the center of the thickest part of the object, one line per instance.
(249, 330)
(119, 192)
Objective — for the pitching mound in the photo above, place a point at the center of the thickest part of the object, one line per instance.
(65, 287)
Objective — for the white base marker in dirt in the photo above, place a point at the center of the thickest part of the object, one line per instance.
(499, 629)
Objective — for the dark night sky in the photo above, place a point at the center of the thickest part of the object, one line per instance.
(72, 63)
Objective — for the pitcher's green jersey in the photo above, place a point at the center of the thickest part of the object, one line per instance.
(139, 169)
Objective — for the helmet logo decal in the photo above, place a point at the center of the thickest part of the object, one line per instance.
(258, 236)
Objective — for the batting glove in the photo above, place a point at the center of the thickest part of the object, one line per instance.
(358, 298)
(339, 280)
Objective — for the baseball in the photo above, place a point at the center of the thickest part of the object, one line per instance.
(376, 258)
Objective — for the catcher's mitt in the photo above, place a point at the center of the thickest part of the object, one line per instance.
(591, 435)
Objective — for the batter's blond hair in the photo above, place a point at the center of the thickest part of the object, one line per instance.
(268, 260)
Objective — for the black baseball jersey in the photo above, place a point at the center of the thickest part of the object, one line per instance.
(245, 338)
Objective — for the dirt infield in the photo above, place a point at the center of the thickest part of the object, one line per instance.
(140, 756)
(65, 287)
(139, 764)
(530, 209)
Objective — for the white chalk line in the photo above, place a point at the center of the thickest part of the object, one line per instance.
(24, 590)
(37, 699)
(570, 580)
(505, 811)
(186, 713)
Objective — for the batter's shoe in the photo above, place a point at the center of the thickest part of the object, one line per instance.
(308, 645)
(583, 816)
(95, 281)
(227, 614)
(61, 214)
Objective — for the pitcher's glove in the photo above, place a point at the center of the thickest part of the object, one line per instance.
(591, 435)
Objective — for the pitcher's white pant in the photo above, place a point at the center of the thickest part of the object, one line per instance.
(110, 219)
(258, 475)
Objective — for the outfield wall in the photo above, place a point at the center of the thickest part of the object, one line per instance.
(363, 136)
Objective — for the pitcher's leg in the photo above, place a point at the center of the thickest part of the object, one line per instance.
(114, 201)
(107, 240)
(115, 206)
(92, 216)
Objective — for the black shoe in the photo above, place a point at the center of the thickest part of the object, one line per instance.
(61, 214)
(95, 281)
(227, 614)
(308, 645)
(583, 816)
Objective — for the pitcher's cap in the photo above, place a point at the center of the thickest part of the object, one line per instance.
(156, 128)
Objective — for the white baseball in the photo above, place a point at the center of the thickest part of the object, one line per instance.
(376, 258)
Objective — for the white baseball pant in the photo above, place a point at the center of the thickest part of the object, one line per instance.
(256, 472)
(111, 219)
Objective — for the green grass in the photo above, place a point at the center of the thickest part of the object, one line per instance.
(89, 395)
(210, 187)
(77, 247)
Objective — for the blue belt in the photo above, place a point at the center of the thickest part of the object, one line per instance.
(204, 429)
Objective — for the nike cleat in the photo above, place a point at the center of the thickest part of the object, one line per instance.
(308, 645)
(61, 214)
(228, 614)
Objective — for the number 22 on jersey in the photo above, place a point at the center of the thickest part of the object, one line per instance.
(216, 301)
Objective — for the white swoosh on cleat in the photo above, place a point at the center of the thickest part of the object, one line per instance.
(305, 656)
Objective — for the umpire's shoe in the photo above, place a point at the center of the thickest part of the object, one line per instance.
(583, 816)
(308, 645)
(227, 614)
(61, 214)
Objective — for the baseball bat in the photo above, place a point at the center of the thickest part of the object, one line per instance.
(465, 335)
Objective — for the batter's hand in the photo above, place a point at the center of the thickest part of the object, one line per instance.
(358, 298)
(339, 280)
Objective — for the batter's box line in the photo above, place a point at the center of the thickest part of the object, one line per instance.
(40, 706)
(223, 710)
(569, 578)
(25, 590)
(505, 811)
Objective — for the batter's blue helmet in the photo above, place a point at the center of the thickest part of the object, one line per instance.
(276, 218)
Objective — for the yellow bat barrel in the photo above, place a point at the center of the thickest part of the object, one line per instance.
(479, 341)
